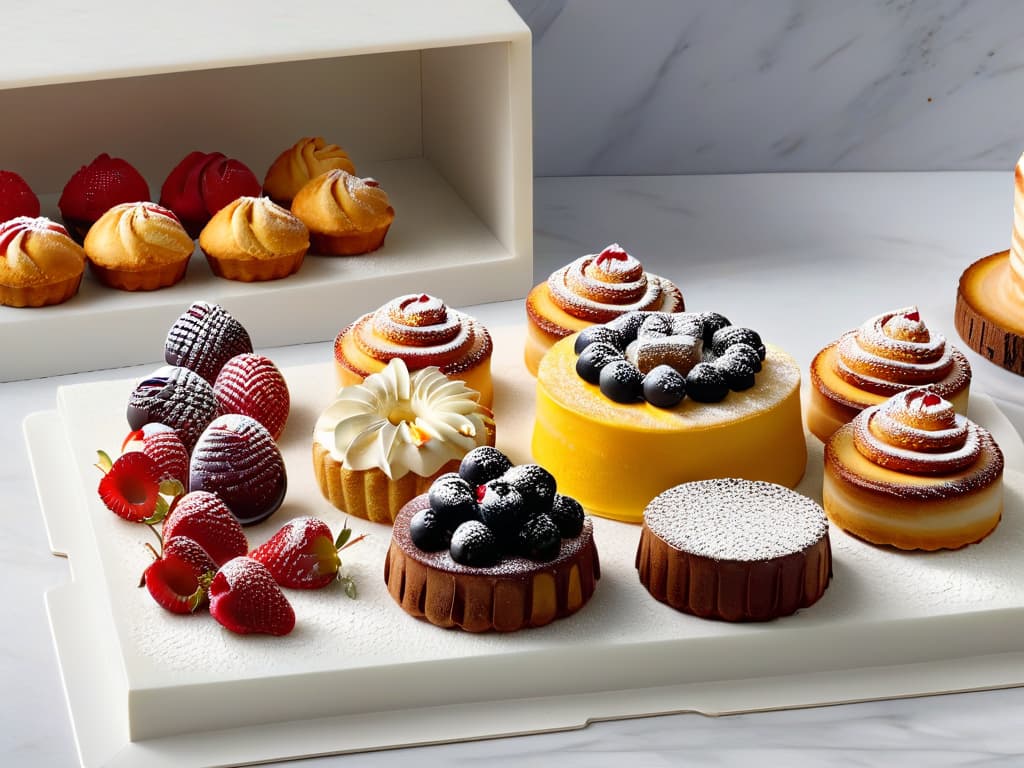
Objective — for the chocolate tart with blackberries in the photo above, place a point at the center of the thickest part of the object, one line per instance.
(493, 547)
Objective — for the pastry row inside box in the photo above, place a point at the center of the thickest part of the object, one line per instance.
(701, 420)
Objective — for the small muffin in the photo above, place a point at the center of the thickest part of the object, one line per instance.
(346, 215)
(382, 442)
(252, 239)
(307, 159)
(422, 331)
(203, 183)
(592, 289)
(39, 263)
(96, 188)
(138, 247)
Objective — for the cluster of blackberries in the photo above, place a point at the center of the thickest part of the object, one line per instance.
(731, 357)
(489, 509)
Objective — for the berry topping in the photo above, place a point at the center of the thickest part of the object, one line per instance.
(177, 397)
(179, 578)
(16, 197)
(706, 384)
(737, 372)
(96, 188)
(621, 381)
(746, 353)
(931, 399)
(712, 323)
(453, 500)
(502, 508)
(482, 464)
(131, 487)
(203, 338)
(535, 484)
(628, 325)
(204, 518)
(664, 387)
(655, 326)
(913, 316)
(474, 544)
(202, 184)
(594, 358)
(612, 252)
(428, 533)
(303, 554)
(252, 385)
(596, 333)
(568, 516)
(244, 598)
(539, 538)
(726, 337)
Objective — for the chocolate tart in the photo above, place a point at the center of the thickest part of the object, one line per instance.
(734, 550)
(514, 594)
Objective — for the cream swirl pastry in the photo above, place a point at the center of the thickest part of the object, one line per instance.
(1017, 236)
(913, 473)
(888, 354)
(422, 331)
(592, 289)
(306, 159)
(383, 441)
(346, 215)
(39, 262)
(138, 246)
(253, 238)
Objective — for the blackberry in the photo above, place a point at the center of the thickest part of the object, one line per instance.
(738, 373)
(746, 353)
(540, 539)
(712, 322)
(594, 358)
(655, 325)
(475, 545)
(453, 500)
(621, 381)
(597, 333)
(502, 508)
(483, 464)
(628, 325)
(427, 532)
(726, 337)
(664, 387)
(568, 516)
(706, 384)
(535, 484)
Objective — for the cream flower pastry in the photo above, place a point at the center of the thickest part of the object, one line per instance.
(254, 239)
(990, 297)
(138, 247)
(888, 354)
(422, 331)
(914, 474)
(39, 263)
(384, 441)
(592, 289)
(346, 215)
(305, 160)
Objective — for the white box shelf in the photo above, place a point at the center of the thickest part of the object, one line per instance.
(433, 100)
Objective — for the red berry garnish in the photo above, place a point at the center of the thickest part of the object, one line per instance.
(131, 487)
(481, 491)
(179, 579)
(244, 598)
(931, 399)
(202, 516)
(614, 251)
(303, 554)
(16, 197)
(914, 316)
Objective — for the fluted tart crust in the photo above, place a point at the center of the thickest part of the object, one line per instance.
(254, 239)
(346, 215)
(39, 263)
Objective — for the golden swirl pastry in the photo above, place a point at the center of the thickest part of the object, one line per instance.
(888, 354)
(422, 331)
(592, 289)
(305, 160)
(39, 262)
(913, 473)
(252, 239)
(138, 247)
(346, 215)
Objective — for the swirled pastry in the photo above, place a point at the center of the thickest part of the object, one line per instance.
(39, 262)
(305, 160)
(592, 289)
(888, 354)
(254, 239)
(422, 331)
(915, 474)
(138, 247)
(382, 442)
(346, 215)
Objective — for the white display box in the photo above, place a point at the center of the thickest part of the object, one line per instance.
(433, 100)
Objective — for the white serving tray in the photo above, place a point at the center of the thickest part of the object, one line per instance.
(363, 675)
(434, 100)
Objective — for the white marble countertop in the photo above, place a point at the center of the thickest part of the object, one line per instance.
(850, 245)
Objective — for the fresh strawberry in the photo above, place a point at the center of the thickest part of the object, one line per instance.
(16, 197)
(304, 555)
(162, 444)
(251, 385)
(202, 516)
(130, 486)
(97, 187)
(201, 184)
(245, 598)
(179, 579)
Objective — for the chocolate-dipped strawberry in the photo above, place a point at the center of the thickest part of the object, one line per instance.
(237, 459)
(204, 338)
(177, 397)
(252, 385)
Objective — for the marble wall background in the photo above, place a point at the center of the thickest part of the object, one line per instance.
(707, 86)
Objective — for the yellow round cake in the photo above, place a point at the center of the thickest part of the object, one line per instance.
(615, 457)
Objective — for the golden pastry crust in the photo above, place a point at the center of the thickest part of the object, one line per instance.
(253, 239)
(346, 215)
(305, 160)
(39, 263)
(138, 247)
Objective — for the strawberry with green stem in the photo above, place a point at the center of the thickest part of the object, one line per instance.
(304, 555)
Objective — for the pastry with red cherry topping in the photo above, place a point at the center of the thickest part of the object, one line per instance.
(96, 188)
(252, 385)
(39, 263)
(504, 554)
(16, 197)
(203, 183)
